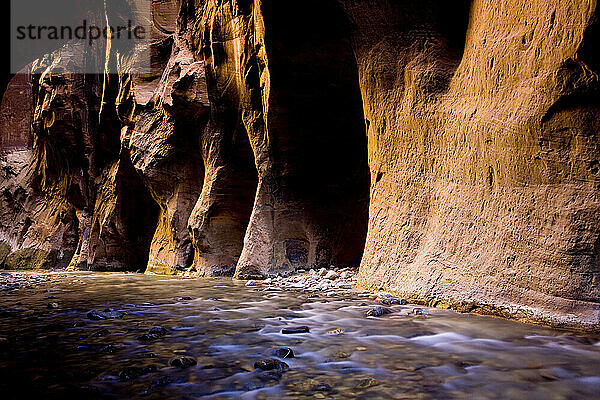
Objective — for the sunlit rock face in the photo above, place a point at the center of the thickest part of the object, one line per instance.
(449, 148)
(483, 148)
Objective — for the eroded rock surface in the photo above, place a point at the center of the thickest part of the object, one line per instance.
(449, 148)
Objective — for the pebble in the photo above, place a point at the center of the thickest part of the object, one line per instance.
(52, 306)
(109, 349)
(394, 301)
(6, 275)
(336, 332)
(377, 311)
(183, 362)
(158, 331)
(100, 333)
(295, 330)
(270, 364)
(419, 311)
(332, 275)
(283, 352)
(106, 314)
(367, 383)
(251, 283)
(341, 354)
(154, 333)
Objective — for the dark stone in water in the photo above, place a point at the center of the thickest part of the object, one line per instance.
(322, 388)
(52, 306)
(154, 333)
(183, 362)
(158, 331)
(377, 311)
(106, 314)
(100, 333)
(283, 352)
(110, 349)
(271, 364)
(367, 383)
(394, 302)
(130, 373)
(185, 298)
(295, 330)
(6, 275)
(419, 311)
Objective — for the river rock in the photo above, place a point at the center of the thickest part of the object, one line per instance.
(332, 275)
(295, 330)
(154, 333)
(367, 383)
(394, 302)
(377, 311)
(183, 362)
(283, 352)
(271, 364)
(100, 333)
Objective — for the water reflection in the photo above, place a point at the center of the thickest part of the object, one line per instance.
(226, 327)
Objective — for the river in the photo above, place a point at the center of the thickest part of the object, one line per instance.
(53, 346)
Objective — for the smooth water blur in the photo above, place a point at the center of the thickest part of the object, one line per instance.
(54, 352)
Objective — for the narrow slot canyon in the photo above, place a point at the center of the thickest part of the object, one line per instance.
(326, 199)
(312, 204)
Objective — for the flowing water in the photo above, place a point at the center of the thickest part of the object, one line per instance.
(49, 348)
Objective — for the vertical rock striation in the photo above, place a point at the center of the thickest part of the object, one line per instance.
(483, 122)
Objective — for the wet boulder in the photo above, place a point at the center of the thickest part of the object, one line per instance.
(377, 311)
(271, 364)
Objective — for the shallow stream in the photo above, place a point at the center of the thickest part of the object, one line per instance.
(50, 348)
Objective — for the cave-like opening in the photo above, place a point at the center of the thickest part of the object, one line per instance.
(317, 133)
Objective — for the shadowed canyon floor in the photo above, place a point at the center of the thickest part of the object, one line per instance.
(111, 335)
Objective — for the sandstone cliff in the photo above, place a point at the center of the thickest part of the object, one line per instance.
(449, 148)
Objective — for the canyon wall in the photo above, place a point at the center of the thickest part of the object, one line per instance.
(448, 147)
